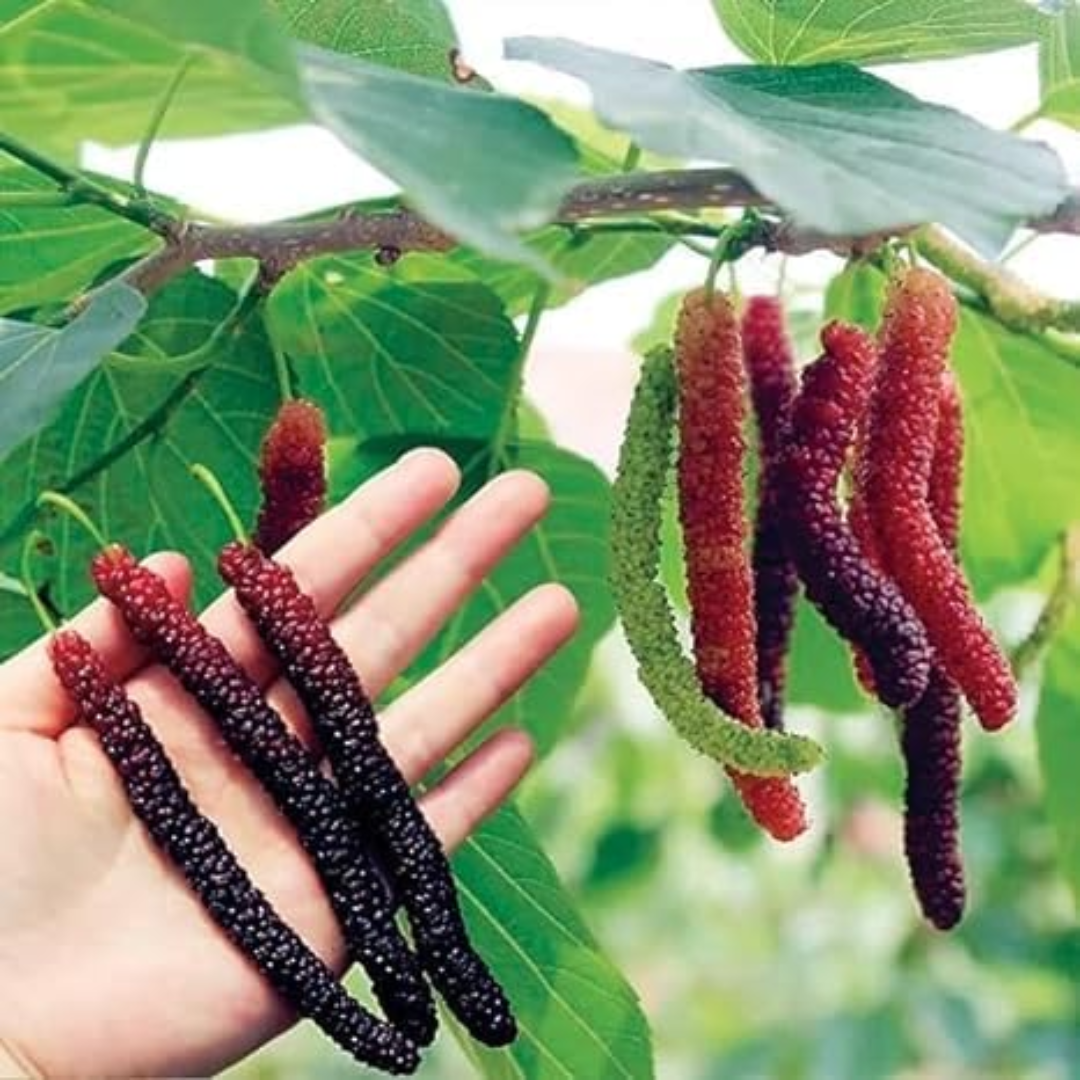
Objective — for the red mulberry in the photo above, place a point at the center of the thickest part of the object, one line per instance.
(258, 736)
(376, 793)
(920, 319)
(861, 603)
(194, 845)
(292, 471)
(712, 412)
(773, 386)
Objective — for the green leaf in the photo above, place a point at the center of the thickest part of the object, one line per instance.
(122, 445)
(420, 346)
(71, 71)
(1021, 401)
(838, 149)
(39, 366)
(578, 1016)
(820, 31)
(1057, 725)
(481, 166)
(1059, 67)
(410, 35)
(51, 254)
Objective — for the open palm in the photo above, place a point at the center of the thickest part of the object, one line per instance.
(108, 966)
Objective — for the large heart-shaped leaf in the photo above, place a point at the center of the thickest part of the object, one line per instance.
(577, 1015)
(820, 31)
(419, 347)
(124, 440)
(411, 35)
(837, 148)
(40, 366)
(1021, 403)
(482, 166)
(71, 71)
(1059, 67)
(1058, 727)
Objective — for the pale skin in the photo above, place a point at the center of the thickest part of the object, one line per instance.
(108, 966)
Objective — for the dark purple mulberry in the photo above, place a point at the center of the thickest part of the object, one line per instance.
(259, 737)
(930, 735)
(194, 845)
(375, 791)
(863, 605)
(770, 363)
(292, 472)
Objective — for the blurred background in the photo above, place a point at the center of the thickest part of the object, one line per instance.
(806, 962)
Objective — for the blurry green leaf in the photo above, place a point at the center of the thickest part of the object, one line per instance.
(417, 347)
(71, 71)
(837, 148)
(51, 254)
(820, 673)
(481, 166)
(124, 440)
(412, 35)
(625, 851)
(39, 366)
(1058, 727)
(1059, 67)
(732, 826)
(578, 1016)
(1021, 402)
(819, 31)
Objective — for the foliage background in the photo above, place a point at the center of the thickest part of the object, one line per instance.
(751, 960)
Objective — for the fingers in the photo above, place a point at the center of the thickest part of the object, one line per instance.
(424, 725)
(334, 553)
(389, 626)
(31, 697)
(477, 787)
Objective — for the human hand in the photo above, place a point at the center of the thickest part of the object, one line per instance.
(108, 965)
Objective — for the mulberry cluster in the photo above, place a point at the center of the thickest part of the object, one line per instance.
(194, 845)
(712, 451)
(375, 793)
(314, 806)
(884, 568)
(292, 474)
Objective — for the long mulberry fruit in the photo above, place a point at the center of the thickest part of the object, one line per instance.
(770, 363)
(712, 413)
(258, 736)
(920, 319)
(194, 845)
(374, 790)
(647, 619)
(862, 604)
(930, 735)
(292, 473)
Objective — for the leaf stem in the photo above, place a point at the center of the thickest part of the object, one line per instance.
(216, 490)
(1059, 604)
(508, 418)
(81, 188)
(58, 501)
(157, 118)
(26, 572)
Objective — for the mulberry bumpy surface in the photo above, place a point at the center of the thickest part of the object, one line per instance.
(770, 364)
(930, 735)
(374, 789)
(258, 736)
(920, 319)
(647, 619)
(194, 845)
(862, 604)
(292, 474)
(712, 414)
